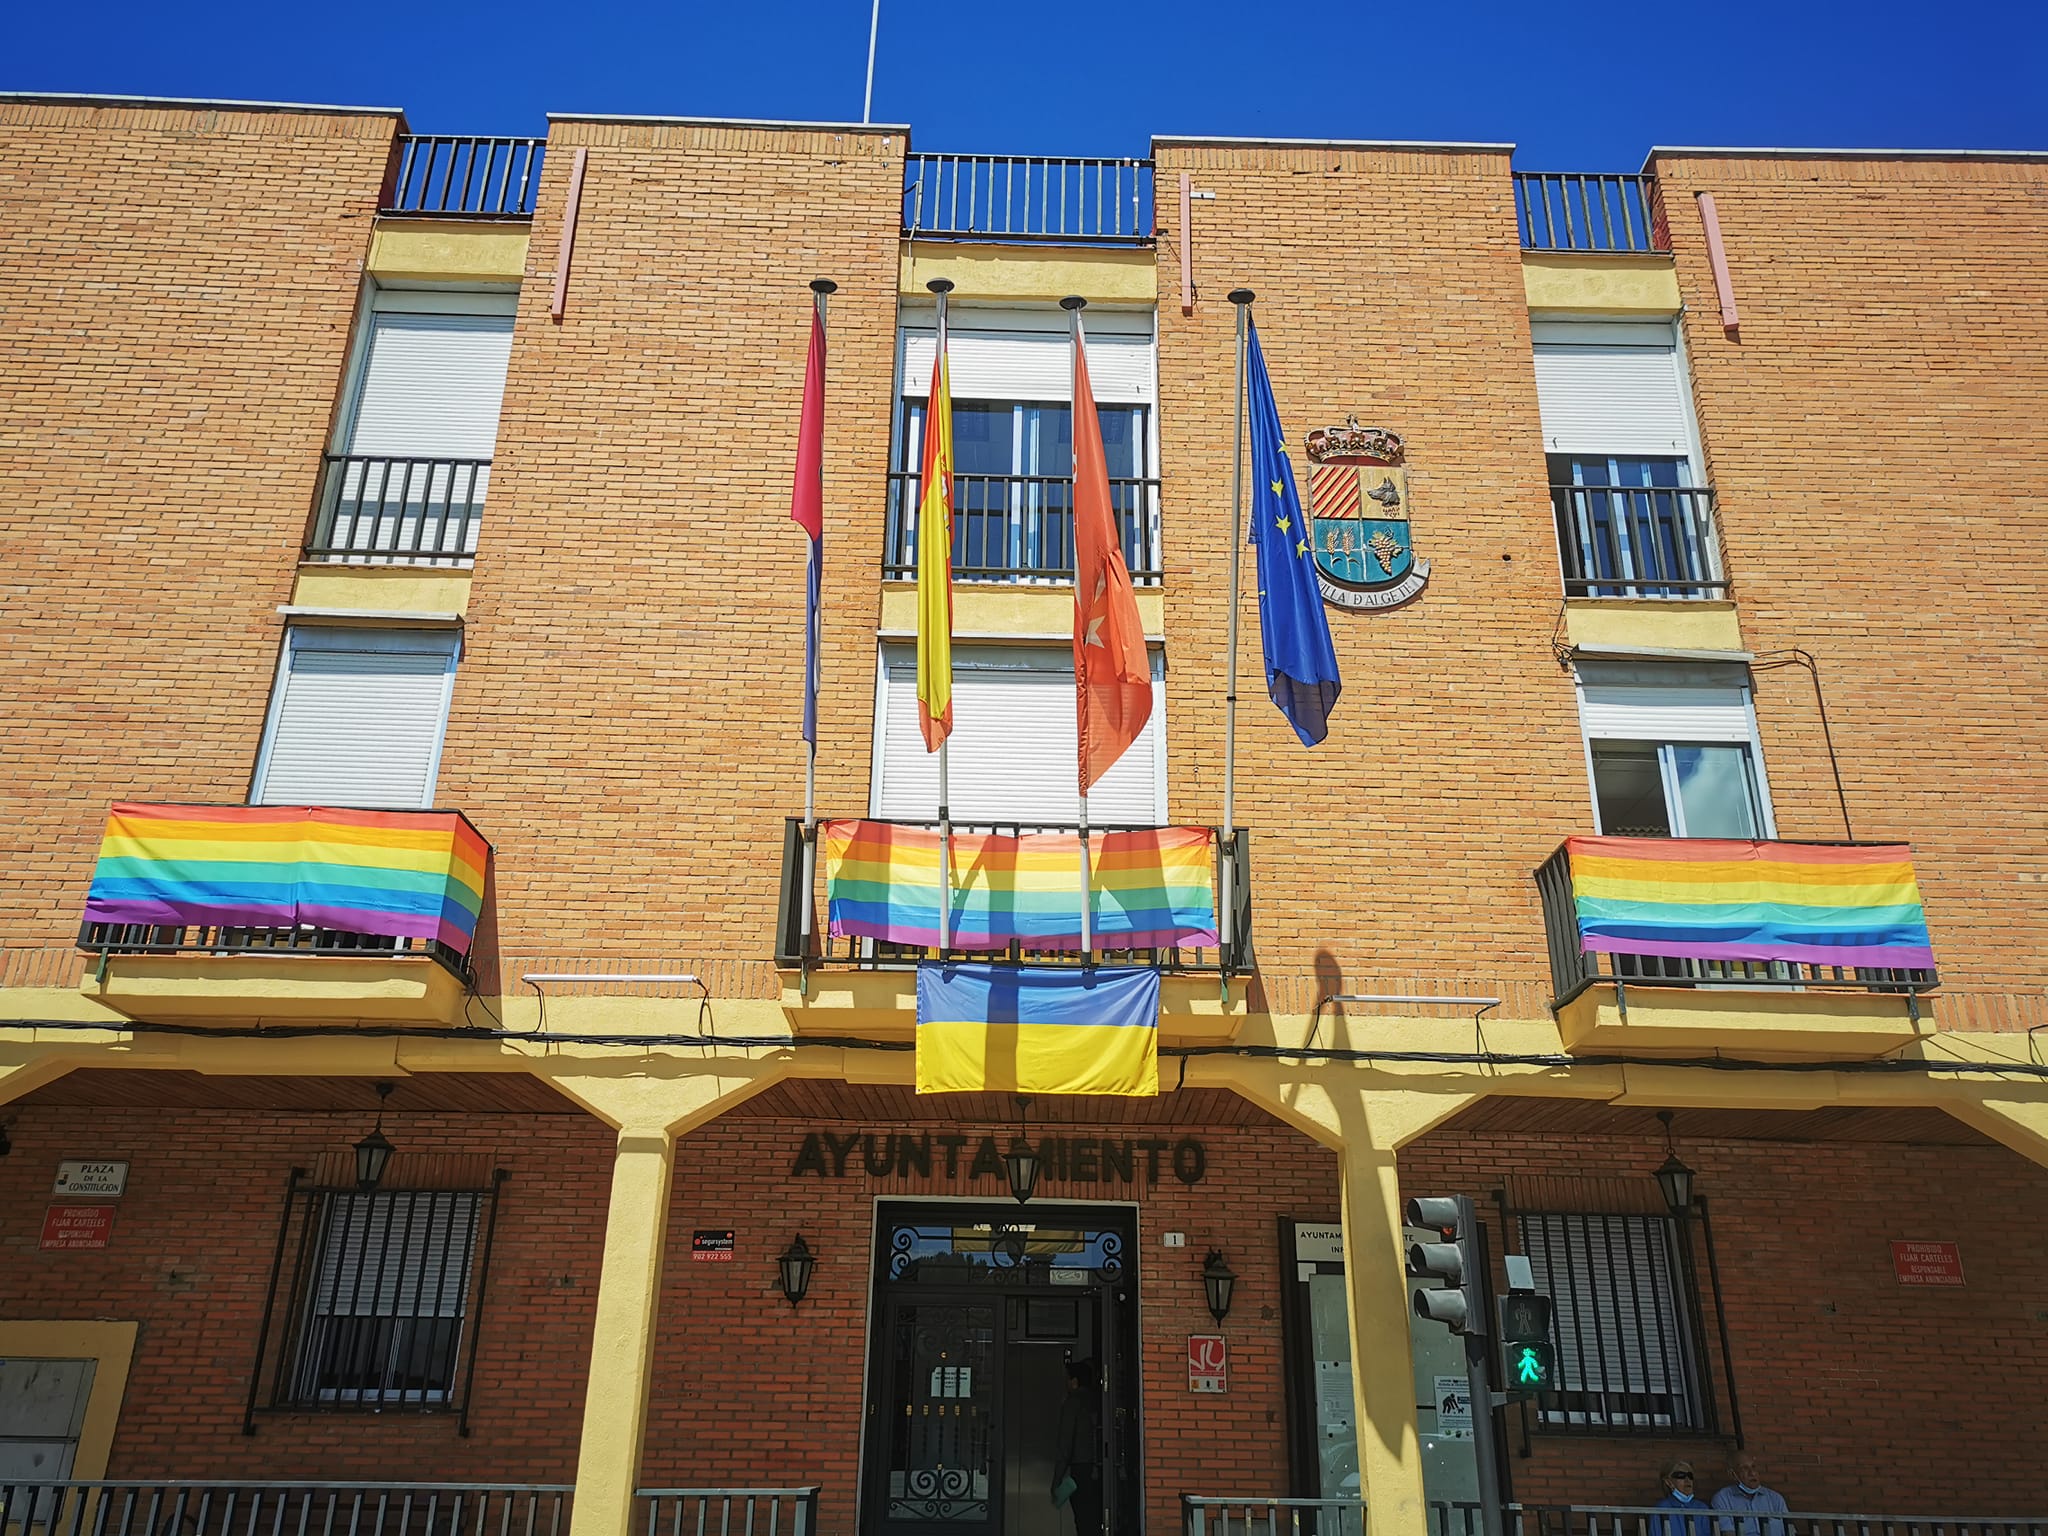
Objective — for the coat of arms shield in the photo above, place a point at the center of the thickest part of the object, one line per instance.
(1359, 518)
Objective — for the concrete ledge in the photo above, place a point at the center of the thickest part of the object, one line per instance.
(449, 250)
(282, 988)
(1567, 282)
(386, 591)
(882, 1005)
(1012, 272)
(1759, 1025)
(1652, 624)
(996, 612)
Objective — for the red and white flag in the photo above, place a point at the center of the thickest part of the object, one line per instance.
(1112, 671)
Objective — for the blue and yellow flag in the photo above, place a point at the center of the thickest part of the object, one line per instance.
(1037, 1029)
(1301, 663)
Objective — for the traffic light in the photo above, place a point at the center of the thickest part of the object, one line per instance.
(1458, 1262)
(1529, 1356)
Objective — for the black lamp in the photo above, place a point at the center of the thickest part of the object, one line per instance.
(1219, 1280)
(796, 1264)
(1021, 1163)
(1674, 1178)
(6, 1146)
(374, 1151)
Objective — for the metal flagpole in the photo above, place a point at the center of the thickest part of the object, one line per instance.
(1073, 304)
(1227, 862)
(821, 288)
(874, 25)
(940, 287)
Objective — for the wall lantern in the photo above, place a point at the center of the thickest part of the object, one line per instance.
(1674, 1178)
(6, 1146)
(1219, 1280)
(374, 1151)
(1021, 1163)
(796, 1264)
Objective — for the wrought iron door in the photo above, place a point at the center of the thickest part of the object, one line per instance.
(942, 1445)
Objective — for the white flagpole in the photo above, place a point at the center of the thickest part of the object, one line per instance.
(941, 286)
(821, 288)
(1073, 304)
(1226, 852)
(874, 25)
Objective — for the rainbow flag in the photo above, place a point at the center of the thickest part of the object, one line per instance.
(1723, 899)
(1153, 888)
(401, 874)
(1037, 1029)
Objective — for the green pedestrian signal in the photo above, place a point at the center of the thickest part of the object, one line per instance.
(1533, 1367)
(1526, 1347)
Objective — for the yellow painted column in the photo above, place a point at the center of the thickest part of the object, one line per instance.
(622, 1349)
(1382, 1360)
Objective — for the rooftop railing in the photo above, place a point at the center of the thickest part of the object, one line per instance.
(1637, 541)
(1028, 197)
(397, 511)
(459, 177)
(1020, 527)
(1572, 212)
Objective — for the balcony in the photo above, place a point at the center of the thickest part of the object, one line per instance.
(1020, 528)
(397, 511)
(1614, 215)
(1705, 944)
(1637, 541)
(229, 914)
(1028, 198)
(447, 176)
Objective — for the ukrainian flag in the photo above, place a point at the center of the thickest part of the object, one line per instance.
(1037, 1029)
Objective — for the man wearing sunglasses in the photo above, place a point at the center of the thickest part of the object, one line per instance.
(1746, 1494)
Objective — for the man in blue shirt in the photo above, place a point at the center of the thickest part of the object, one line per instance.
(1748, 1495)
(1678, 1494)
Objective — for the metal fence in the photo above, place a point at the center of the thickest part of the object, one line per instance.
(220, 1508)
(398, 511)
(1637, 541)
(726, 1511)
(1021, 527)
(1271, 1517)
(1462, 1519)
(1572, 212)
(1573, 969)
(151, 939)
(1028, 197)
(466, 177)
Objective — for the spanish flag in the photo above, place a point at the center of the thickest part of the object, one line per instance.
(1037, 1029)
(935, 563)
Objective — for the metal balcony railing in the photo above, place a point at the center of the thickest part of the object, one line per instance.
(792, 951)
(702, 1511)
(184, 1507)
(1637, 541)
(1572, 212)
(1028, 197)
(1021, 527)
(105, 939)
(1271, 1517)
(460, 177)
(1462, 1519)
(397, 511)
(1574, 969)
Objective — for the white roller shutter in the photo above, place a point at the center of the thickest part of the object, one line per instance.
(1026, 355)
(1618, 701)
(431, 386)
(1012, 753)
(395, 1253)
(1611, 390)
(357, 719)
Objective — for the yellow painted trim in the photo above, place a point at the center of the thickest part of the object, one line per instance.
(882, 1005)
(421, 250)
(382, 589)
(244, 989)
(1010, 612)
(112, 1346)
(1014, 273)
(1603, 623)
(1565, 283)
(1771, 1026)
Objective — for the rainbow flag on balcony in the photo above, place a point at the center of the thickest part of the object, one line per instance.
(1153, 888)
(1723, 899)
(398, 874)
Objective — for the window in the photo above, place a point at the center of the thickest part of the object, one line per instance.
(412, 456)
(1672, 750)
(1011, 372)
(357, 717)
(1623, 458)
(382, 1318)
(1628, 1351)
(1013, 751)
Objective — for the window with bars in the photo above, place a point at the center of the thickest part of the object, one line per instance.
(1630, 1354)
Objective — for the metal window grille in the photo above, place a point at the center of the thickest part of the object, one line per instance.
(384, 1298)
(1630, 1351)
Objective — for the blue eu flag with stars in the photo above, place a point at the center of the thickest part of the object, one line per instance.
(1301, 663)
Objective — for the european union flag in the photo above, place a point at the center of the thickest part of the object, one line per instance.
(1301, 663)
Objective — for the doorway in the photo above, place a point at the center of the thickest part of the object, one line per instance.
(978, 1311)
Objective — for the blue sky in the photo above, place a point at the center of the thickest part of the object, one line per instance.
(1578, 87)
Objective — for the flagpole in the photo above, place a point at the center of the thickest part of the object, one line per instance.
(1242, 299)
(821, 289)
(867, 103)
(940, 287)
(1073, 304)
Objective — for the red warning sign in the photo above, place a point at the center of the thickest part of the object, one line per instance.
(77, 1226)
(1927, 1263)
